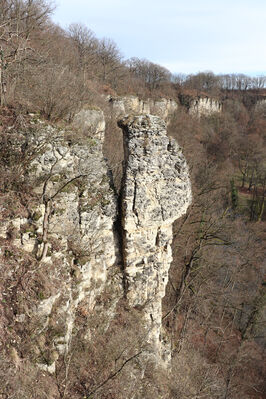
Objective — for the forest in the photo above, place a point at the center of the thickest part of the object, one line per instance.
(214, 307)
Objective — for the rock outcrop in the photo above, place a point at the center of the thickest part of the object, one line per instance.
(204, 106)
(81, 208)
(164, 108)
(72, 234)
(156, 191)
(122, 106)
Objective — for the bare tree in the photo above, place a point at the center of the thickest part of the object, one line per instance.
(153, 75)
(86, 44)
(109, 59)
(18, 20)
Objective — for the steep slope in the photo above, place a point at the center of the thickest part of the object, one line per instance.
(78, 267)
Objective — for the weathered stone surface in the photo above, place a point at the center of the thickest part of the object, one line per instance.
(163, 107)
(156, 191)
(73, 231)
(71, 235)
(204, 106)
(82, 211)
(90, 121)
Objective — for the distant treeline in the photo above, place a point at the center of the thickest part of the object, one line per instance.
(53, 70)
(209, 81)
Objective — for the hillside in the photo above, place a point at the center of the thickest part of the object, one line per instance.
(132, 221)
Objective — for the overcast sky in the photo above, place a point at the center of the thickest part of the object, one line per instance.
(183, 35)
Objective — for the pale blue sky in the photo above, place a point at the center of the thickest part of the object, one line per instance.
(185, 36)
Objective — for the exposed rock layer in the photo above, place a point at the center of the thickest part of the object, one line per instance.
(204, 106)
(71, 231)
(156, 191)
(72, 235)
(163, 107)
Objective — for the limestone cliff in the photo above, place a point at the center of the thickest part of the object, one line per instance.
(69, 232)
(164, 108)
(76, 236)
(156, 191)
(121, 106)
(204, 106)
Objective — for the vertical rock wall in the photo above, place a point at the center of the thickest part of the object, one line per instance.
(204, 106)
(156, 191)
(163, 107)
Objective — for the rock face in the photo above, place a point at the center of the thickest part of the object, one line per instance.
(163, 107)
(204, 106)
(81, 209)
(72, 234)
(91, 122)
(71, 231)
(156, 191)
